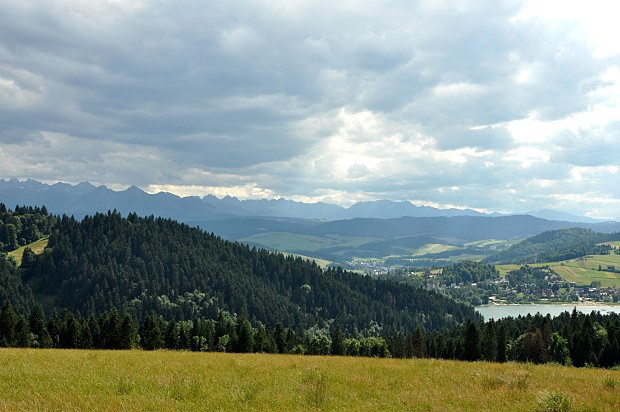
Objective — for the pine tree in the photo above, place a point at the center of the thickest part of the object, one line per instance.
(583, 344)
(150, 333)
(8, 320)
(171, 335)
(489, 342)
(337, 348)
(245, 334)
(471, 342)
(501, 344)
(398, 347)
(110, 330)
(418, 343)
(36, 321)
(70, 331)
(129, 337)
(23, 337)
(280, 338)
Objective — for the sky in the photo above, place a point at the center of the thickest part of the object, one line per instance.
(502, 106)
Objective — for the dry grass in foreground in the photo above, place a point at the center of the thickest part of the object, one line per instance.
(36, 379)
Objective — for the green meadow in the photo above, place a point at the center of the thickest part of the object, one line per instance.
(37, 379)
(582, 271)
(37, 247)
(306, 242)
(585, 270)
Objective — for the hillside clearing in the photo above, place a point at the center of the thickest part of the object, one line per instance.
(304, 242)
(37, 247)
(583, 271)
(35, 379)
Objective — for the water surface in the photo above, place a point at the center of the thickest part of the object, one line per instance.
(503, 311)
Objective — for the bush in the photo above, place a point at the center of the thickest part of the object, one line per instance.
(609, 383)
(553, 402)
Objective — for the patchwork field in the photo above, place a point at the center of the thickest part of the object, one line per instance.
(32, 379)
(582, 271)
(585, 270)
(416, 251)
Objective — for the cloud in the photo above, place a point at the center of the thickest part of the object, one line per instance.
(506, 102)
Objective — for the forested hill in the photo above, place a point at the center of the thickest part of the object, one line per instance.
(555, 245)
(23, 225)
(159, 266)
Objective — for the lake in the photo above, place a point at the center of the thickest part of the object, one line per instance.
(503, 311)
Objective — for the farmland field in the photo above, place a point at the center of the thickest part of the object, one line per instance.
(582, 271)
(294, 241)
(36, 379)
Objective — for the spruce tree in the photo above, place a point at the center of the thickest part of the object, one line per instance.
(23, 337)
(245, 334)
(36, 321)
(489, 342)
(8, 320)
(150, 333)
(337, 347)
(280, 338)
(129, 337)
(501, 344)
(471, 341)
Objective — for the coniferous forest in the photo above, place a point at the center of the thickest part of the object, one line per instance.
(109, 281)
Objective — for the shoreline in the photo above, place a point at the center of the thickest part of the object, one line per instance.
(498, 311)
(552, 304)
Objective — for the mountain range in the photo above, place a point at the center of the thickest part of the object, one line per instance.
(85, 199)
(382, 232)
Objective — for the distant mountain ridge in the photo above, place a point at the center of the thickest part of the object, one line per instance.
(85, 199)
(459, 228)
(394, 232)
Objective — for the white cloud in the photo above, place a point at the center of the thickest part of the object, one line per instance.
(249, 191)
(457, 89)
(13, 96)
(595, 19)
(527, 156)
(436, 102)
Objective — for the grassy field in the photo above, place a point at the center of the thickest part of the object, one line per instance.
(321, 262)
(582, 271)
(432, 248)
(33, 379)
(293, 241)
(37, 247)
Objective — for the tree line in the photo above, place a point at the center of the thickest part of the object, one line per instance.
(226, 333)
(23, 225)
(123, 282)
(569, 339)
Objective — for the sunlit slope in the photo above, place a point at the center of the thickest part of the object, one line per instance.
(37, 247)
